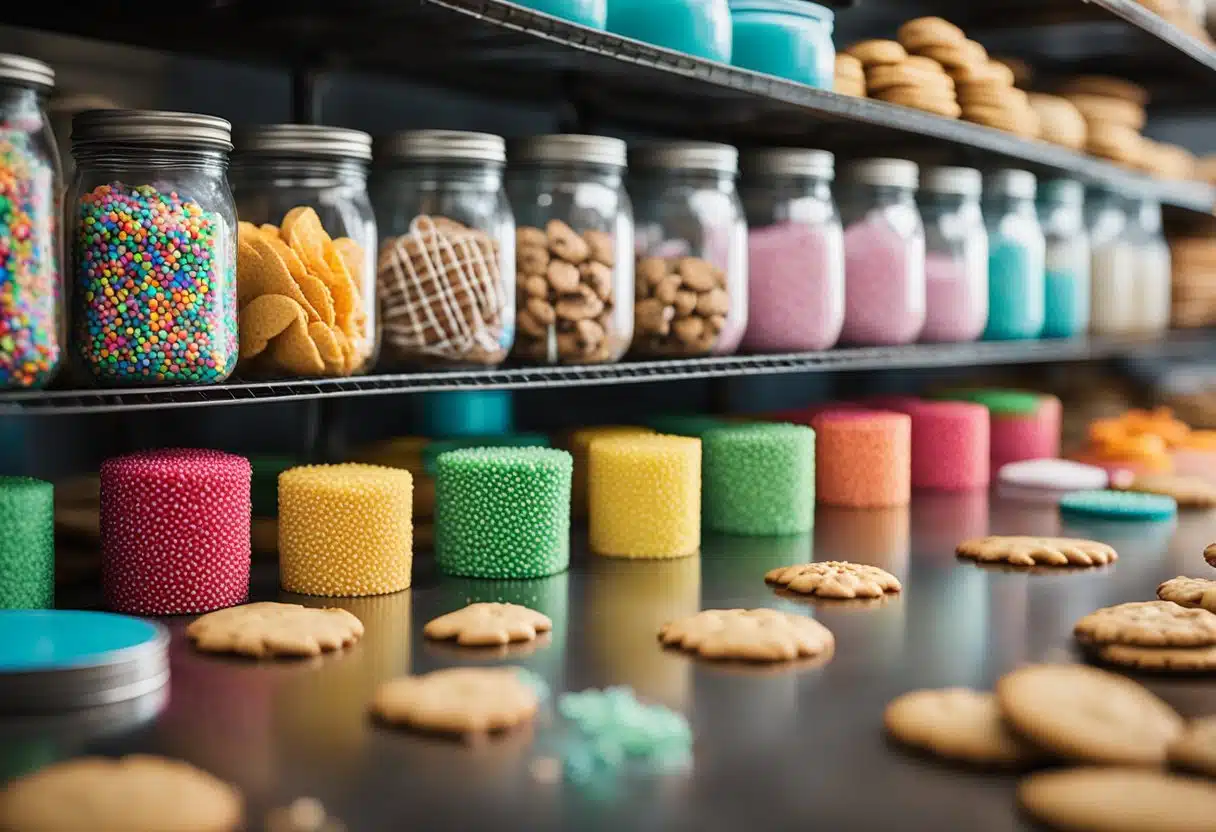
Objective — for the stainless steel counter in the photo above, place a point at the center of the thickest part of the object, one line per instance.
(796, 749)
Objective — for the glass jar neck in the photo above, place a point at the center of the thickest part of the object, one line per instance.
(609, 175)
(146, 157)
(884, 194)
(816, 186)
(1000, 202)
(284, 170)
(943, 201)
(700, 179)
(483, 176)
(20, 105)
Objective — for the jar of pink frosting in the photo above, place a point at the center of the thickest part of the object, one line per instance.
(795, 251)
(956, 255)
(690, 238)
(884, 254)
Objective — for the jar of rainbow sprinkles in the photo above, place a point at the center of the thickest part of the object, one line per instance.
(153, 254)
(31, 292)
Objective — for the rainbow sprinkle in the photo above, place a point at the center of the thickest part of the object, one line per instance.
(156, 287)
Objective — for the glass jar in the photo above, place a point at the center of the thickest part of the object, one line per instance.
(956, 255)
(691, 244)
(795, 251)
(1017, 257)
(1113, 265)
(788, 38)
(153, 248)
(884, 253)
(1151, 286)
(446, 276)
(573, 250)
(1062, 214)
(695, 27)
(31, 289)
(293, 182)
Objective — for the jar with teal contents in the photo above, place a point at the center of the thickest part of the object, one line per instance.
(593, 13)
(1061, 206)
(1016, 257)
(700, 28)
(787, 38)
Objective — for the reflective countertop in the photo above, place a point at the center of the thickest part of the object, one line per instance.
(795, 748)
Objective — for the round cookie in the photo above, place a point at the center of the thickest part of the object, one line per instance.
(1113, 142)
(488, 624)
(938, 103)
(835, 579)
(1187, 492)
(906, 74)
(750, 635)
(1037, 551)
(988, 71)
(1115, 111)
(1119, 800)
(1148, 624)
(1061, 123)
(1209, 554)
(272, 629)
(1195, 750)
(956, 724)
(876, 52)
(1107, 87)
(139, 793)
(848, 66)
(1011, 120)
(458, 700)
(987, 94)
(957, 55)
(1088, 715)
(1189, 592)
(1159, 659)
(923, 32)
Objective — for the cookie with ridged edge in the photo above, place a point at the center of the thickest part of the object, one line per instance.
(503, 512)
(1189, 592)
(1148, 624)
(759, 479)
(759, 635)
(1119, 800)
(1085, 714)
(956, 724)
(1022, 550)
(458, 700)
(269, 628)
(835, 579)
(488, 624)
(1158, 659)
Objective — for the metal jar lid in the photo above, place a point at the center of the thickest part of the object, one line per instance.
(949, 180)
(150, 127)
(28, 71)
(1019, 184)
(445, 145)
(888, 173)
(705, 156)
(306, 140)
(790, 161)
(575, 149)
(61, 659)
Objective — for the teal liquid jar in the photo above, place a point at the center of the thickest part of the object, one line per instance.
(593, 13)
(787, 38)
(1061, 208)
(700, 28)
(1016, 257)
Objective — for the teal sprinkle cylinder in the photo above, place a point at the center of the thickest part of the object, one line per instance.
(759, 479)
(503, 512)
(27, 544)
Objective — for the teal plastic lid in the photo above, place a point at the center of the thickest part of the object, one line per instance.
(40, 640)
(466, 413)
(800, 8)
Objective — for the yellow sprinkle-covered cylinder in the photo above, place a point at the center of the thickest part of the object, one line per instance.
(644, 495)
(345, 530)
(579, 445)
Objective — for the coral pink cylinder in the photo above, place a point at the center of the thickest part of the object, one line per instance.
(863, 458)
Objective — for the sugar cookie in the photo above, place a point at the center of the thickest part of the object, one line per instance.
(1119, 800)
(760, 635)
(875, 52)
(957, 724)
(1159, 659)
(923, 32)
(268, 628)
(1189, 592)
(489, 624)
(835, 579)
(1032, 551)
(1148, 624)
(459, 700)
(1195, 750)
(1187, 492)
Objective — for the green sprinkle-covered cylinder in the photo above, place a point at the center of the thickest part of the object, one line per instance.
(27, 543)
(759, 479)
(503, 512)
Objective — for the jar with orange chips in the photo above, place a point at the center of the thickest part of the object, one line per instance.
(446, 268)
(306, 275)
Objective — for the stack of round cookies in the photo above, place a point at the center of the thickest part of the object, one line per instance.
(1167, 161)
(1114, 113)
(850, 78)
(1193, 297)
(984, 88)
(1060, 122)
(893, 76)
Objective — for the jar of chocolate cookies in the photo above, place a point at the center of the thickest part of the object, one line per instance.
(573, 249)
(445, 275)
(691, 243)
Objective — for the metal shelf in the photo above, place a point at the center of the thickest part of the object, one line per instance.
(1161, 29)
(634, 372)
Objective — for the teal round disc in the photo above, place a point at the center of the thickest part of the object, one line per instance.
(1122, 505)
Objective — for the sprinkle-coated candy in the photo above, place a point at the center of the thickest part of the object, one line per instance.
(503, 512)
(346, 530)
(644, 495)
(27, 543)
(175, 531)
(155, 293)
(759, 479)
(30, 293)
(611, 728)
(863, 458)
(579, 445)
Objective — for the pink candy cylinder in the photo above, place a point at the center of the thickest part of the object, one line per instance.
(175, 531)
(950, 445)
(1027, 436)
(796, 288)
